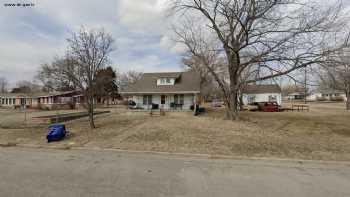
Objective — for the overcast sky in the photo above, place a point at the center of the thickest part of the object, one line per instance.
(30, 36)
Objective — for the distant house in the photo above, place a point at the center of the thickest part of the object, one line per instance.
(327, 95)
(295, 93)
(57, 100)
(262, 93)
(16, 99)
(38, 100)
(52, 100)
(172, 90)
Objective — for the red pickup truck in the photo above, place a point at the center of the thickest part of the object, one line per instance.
(268, 107)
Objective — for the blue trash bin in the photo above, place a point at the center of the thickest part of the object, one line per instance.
(56, 132)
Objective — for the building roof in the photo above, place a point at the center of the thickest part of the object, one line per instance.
(56, 94)
(261, 89)
(185, 82)
(15, 95)
(35, 95)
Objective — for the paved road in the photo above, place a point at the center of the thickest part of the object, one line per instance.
(35, 172)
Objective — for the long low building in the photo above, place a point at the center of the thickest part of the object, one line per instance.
(38, 100)
(55, 100)
(14, 99)
(327, 95)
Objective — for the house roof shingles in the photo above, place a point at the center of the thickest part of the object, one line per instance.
(185, 82)
(261, 89)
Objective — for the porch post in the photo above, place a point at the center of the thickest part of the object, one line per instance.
(195, 105)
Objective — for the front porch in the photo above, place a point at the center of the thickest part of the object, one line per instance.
(166, 102)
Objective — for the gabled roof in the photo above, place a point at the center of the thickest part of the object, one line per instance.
(261, 89)
(185, 82)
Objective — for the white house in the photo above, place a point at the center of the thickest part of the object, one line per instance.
(294, 93)
(262, 93)
(173, 90)
(327, 94)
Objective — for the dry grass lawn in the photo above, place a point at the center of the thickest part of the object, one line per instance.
(323, 133)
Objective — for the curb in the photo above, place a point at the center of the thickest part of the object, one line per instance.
(184, 155)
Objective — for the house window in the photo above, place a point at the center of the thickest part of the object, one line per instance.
(251, 99)
(23, 101)
(147, 99)
(272, 98)
(165, 81)
(179, 99)
(162, 81)
(162, 99)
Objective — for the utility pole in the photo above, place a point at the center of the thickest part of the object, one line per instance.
(305, 85)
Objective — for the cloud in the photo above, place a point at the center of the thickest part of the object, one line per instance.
(35, 35)
(169, 44)
(145, 16)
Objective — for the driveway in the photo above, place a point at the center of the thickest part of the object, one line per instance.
(38, 172)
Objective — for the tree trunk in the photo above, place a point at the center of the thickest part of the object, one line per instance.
(234, 62)
(91, 112)
(232, 109)
(241, 102)
(348, 102)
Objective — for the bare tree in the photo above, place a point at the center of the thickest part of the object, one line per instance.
(258, 40)
(127, 78)
(51, 77)
(335, 74)
(3, 85)
(87, 54)
(207, 83)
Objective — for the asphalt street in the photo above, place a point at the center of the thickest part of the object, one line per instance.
(28, 172)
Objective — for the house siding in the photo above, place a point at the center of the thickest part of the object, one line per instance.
(156, 99)
(262, 98)
(12, 101)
